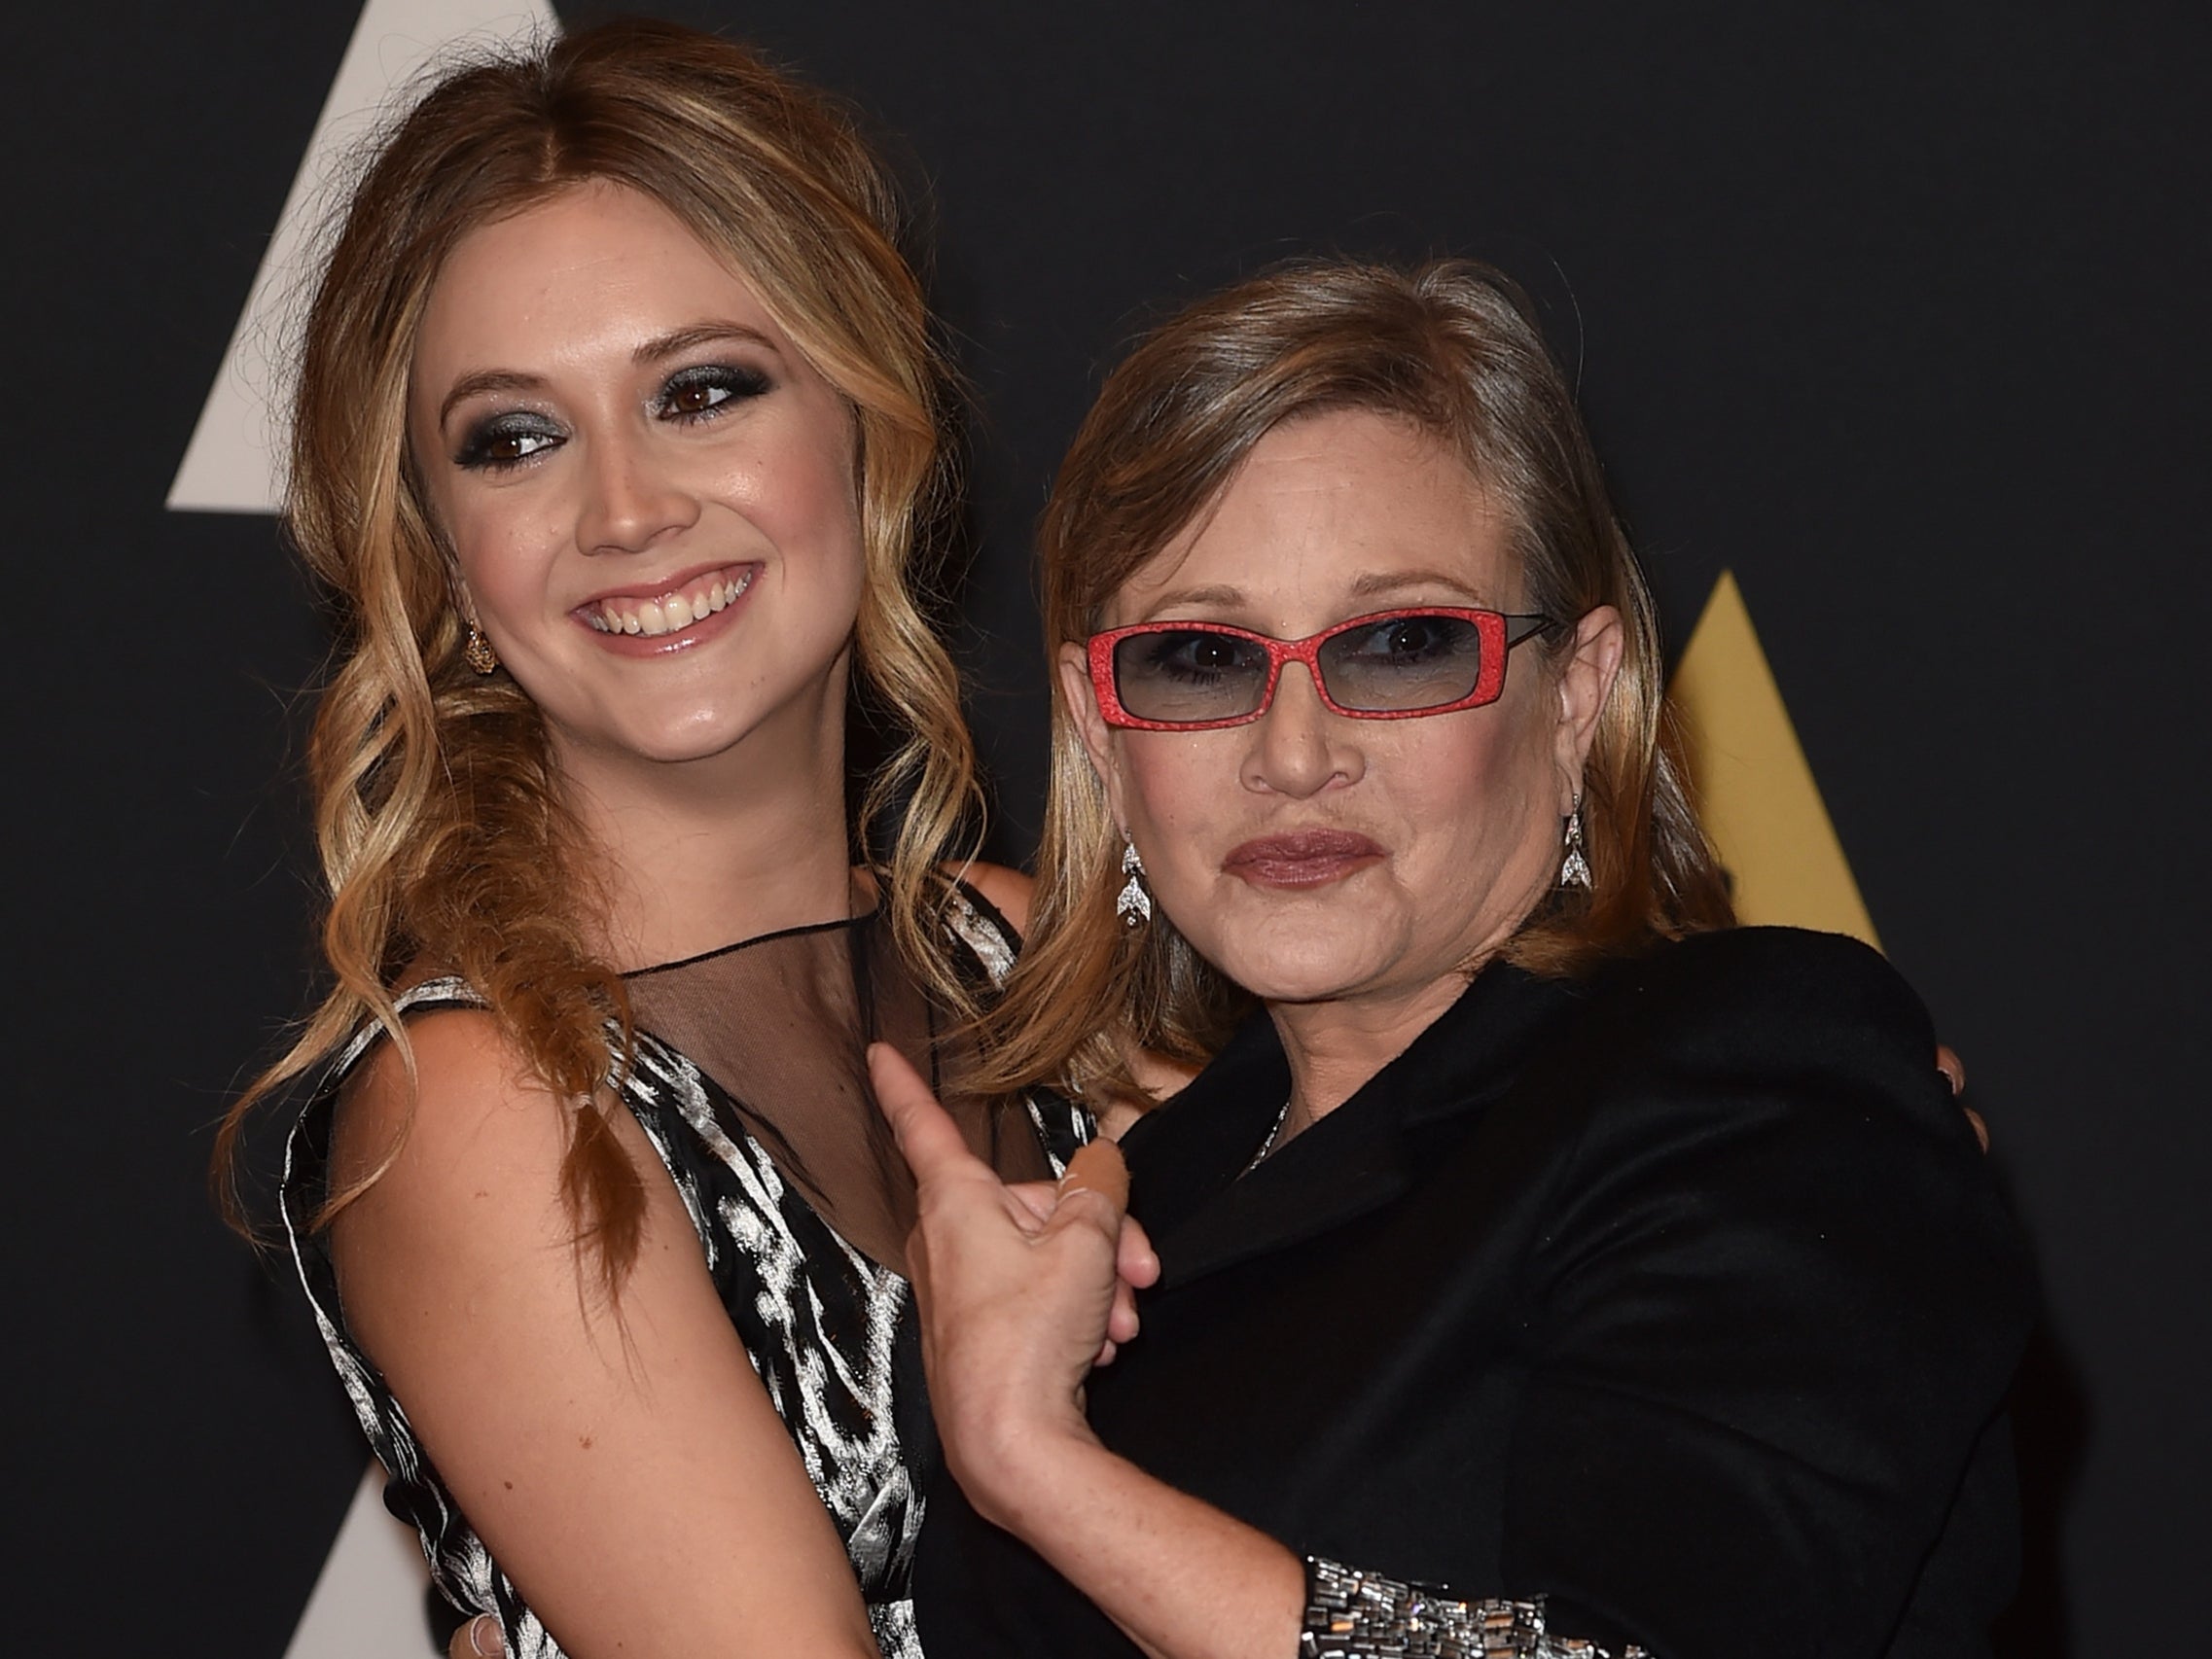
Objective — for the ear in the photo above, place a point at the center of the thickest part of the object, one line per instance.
(1586, 686)
(1082, 699)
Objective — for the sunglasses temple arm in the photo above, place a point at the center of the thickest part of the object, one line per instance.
(1518, 629)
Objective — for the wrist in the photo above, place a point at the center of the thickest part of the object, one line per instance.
(1021, 1466)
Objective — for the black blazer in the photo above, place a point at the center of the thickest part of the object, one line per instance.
(1681, 1296)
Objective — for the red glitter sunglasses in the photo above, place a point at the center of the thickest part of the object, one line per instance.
(1193, 676)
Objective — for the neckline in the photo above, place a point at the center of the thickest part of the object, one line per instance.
(731, 949)
(1197, 1144)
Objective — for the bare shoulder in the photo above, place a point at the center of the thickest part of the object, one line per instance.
(470, 1108)
(1119, 1114)
(1156, 1077)
(466, 1156)
(1009, 891)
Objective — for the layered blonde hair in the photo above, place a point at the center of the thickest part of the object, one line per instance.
(1452, 350)
(437, 813)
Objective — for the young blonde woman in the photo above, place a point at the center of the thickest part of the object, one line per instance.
(617, 444)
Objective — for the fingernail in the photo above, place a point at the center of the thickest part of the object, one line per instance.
(484, 1637)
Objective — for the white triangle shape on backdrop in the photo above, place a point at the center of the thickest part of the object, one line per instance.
(368, 1602)
(234, 462)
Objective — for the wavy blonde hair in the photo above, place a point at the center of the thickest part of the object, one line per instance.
(442, 839)
(1451, 349)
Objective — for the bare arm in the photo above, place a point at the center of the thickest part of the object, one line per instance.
(623, 1465)
(1181, 1579)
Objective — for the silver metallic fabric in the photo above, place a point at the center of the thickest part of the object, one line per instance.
(822, 1320)
(1350, 1614)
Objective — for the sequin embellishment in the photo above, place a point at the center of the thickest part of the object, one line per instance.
(1350, 1614)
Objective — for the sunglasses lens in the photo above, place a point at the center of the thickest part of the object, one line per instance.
(1413, 660)
(1190, 675)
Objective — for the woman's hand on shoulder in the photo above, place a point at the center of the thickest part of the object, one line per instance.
(618, 1455)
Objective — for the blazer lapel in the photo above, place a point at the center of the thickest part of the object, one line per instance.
(1349, 1163)
(1191, 1146)
(1189, 1159)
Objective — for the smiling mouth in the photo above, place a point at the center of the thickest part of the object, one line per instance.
(1303, 857)
(670, 612)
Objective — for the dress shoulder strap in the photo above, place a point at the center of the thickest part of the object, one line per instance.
(432, 996)
(974, 921)
(306, 1148)
(977, 925)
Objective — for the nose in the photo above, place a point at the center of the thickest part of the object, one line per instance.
(632, 496)
(1298, 747)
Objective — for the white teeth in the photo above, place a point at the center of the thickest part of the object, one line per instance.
(670, 612)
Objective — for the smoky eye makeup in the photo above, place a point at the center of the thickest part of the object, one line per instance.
(506, 438)
(703, 390)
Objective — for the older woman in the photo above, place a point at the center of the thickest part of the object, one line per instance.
(1541, 1237)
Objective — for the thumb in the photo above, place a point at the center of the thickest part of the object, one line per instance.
(479, 1638)
(1094, 1193)
(1099, 1166)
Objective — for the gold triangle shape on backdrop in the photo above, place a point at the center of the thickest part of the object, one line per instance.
(1755, 791)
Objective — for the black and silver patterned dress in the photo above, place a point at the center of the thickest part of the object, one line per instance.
(748, 1077)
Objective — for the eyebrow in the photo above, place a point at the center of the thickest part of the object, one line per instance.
(482, 380)
(1371, 584)
(1214, 595)
(1399, 580)
(654, 350)
(698, 334)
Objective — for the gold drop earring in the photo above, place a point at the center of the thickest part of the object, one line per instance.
(477, 650)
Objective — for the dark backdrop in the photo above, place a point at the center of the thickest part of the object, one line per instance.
(1900, 313)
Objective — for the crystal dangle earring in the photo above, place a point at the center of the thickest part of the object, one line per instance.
(477, 654)
(1574, 868)
(1134, 905)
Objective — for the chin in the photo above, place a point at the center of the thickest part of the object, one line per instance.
(702, 741)
(672, 741)
(1306, 974)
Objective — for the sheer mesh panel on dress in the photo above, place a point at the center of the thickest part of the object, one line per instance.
(782, 1024)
